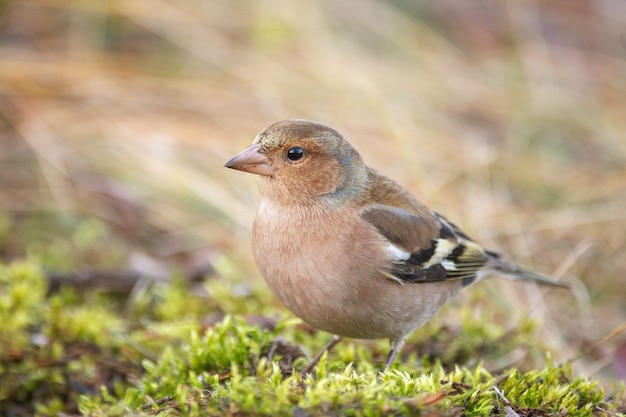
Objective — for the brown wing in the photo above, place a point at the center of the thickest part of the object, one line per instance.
(430, 248)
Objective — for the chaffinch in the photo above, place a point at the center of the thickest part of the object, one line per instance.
(348, 250)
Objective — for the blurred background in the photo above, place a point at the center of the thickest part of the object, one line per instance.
(116, 118)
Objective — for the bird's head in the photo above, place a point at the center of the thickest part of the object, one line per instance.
(301, 161)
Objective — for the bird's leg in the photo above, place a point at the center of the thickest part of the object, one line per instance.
(395, 347)
(316, 359)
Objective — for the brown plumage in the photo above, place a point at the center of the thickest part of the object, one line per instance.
(345, 248)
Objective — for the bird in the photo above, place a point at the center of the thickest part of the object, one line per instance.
(349, 250)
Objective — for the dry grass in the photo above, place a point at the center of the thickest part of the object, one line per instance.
(507, 117)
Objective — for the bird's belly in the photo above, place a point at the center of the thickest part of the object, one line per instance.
(334, 282)
(392, 310)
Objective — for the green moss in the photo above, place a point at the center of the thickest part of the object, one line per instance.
(55, 348)
(75, 352)
(227, 371)
(554, 390)
(22, 291)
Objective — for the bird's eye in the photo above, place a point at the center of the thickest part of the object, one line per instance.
(295, 153)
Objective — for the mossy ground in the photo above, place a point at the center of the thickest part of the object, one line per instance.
(168, 352)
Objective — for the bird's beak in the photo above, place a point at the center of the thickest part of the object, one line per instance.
(251, 160)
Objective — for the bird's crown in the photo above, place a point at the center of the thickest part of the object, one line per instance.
(281, 133)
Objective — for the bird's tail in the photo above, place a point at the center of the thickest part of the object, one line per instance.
(511, 271)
